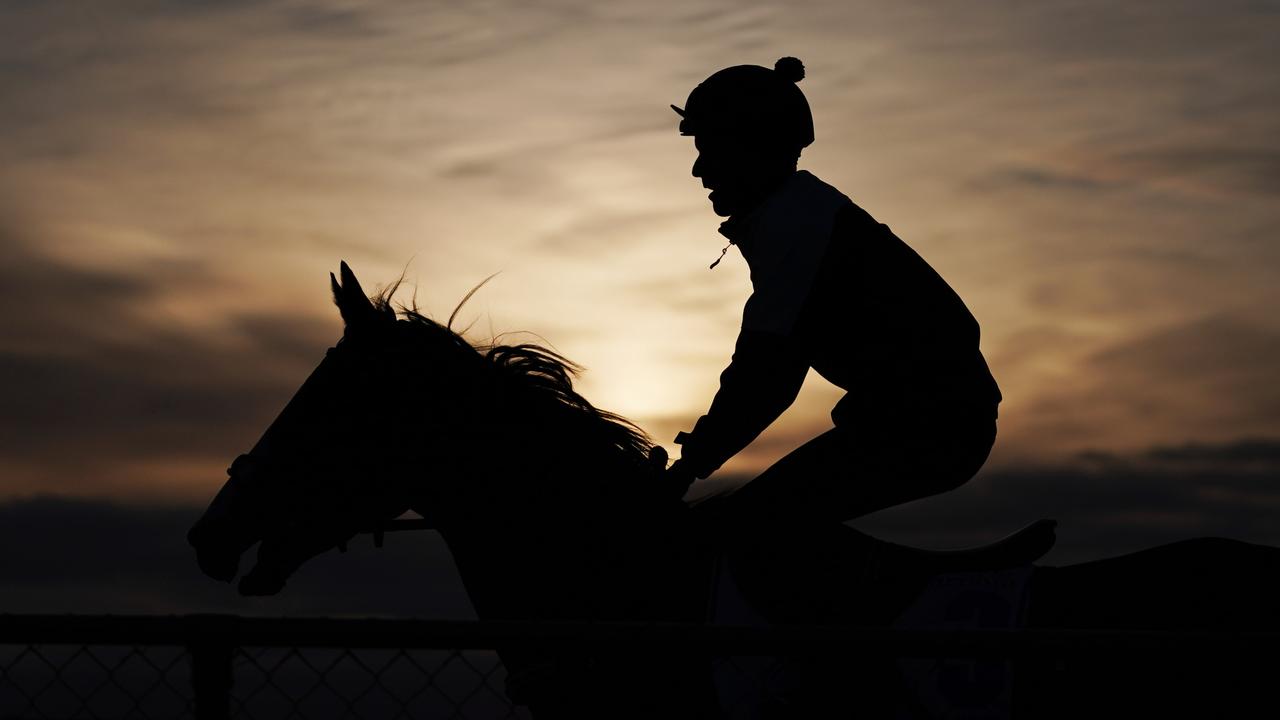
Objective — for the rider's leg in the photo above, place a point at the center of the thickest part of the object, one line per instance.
(783, 529)
(841, 475)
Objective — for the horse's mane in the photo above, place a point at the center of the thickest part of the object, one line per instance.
(545, 375)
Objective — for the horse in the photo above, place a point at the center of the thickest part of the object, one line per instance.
(556, 510)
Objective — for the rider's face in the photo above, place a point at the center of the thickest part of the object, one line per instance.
(738, 172)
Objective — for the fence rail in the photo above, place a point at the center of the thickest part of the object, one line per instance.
(219, 666)
(440, 634)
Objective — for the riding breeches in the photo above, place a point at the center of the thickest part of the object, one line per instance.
(844, 474)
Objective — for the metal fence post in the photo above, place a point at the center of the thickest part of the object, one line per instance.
(211, 674)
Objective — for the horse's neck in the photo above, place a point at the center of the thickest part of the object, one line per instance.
(568, 546)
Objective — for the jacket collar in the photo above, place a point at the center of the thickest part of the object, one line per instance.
(737, 228)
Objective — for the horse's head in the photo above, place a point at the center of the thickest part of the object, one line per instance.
(334, 460)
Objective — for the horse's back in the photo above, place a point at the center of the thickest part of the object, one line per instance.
(1197, 584)
(1201, 584)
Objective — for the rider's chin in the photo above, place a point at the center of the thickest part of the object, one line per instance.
(719, 204)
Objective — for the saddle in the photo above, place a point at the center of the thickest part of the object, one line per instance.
(1022, 547)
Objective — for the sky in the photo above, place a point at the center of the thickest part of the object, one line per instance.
(1097, 180)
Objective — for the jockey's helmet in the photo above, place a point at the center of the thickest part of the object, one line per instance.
(750, 101)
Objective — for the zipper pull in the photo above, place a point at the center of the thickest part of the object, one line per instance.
(717, 262)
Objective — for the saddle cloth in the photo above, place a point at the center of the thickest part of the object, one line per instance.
(963, 688)
(941, 688)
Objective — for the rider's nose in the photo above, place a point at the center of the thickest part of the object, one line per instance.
(697, 167)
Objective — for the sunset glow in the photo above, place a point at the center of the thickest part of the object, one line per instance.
(1097, 182)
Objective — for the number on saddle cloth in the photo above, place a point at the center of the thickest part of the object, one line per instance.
(965, 687)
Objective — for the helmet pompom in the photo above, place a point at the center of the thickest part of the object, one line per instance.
(790, 69)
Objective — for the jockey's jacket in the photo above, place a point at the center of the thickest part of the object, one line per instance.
(835, 290)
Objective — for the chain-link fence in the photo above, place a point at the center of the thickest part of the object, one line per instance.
(212, 666)
(225, 666)
(68, 681)
(62, 681)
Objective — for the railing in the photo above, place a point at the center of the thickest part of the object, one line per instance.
(211, 666)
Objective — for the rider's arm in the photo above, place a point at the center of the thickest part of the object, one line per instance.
(760, 383)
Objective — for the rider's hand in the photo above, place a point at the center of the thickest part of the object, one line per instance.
(658, 458)
(679, 477)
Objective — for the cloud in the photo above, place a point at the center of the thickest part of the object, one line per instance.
(1228, 168)
(1037, 179)
(1211, 377)
(1106, 502)
(95, 390)
(1245, 453)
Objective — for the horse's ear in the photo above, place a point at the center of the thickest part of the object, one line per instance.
(352, 303)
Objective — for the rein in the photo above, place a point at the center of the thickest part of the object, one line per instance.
(242, 467)
(379, 532)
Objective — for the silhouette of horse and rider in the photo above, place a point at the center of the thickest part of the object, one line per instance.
(555, 509)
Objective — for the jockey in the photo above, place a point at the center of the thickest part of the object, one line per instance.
(836, 291)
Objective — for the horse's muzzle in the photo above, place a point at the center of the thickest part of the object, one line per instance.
(219, 561)
(259, 582)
